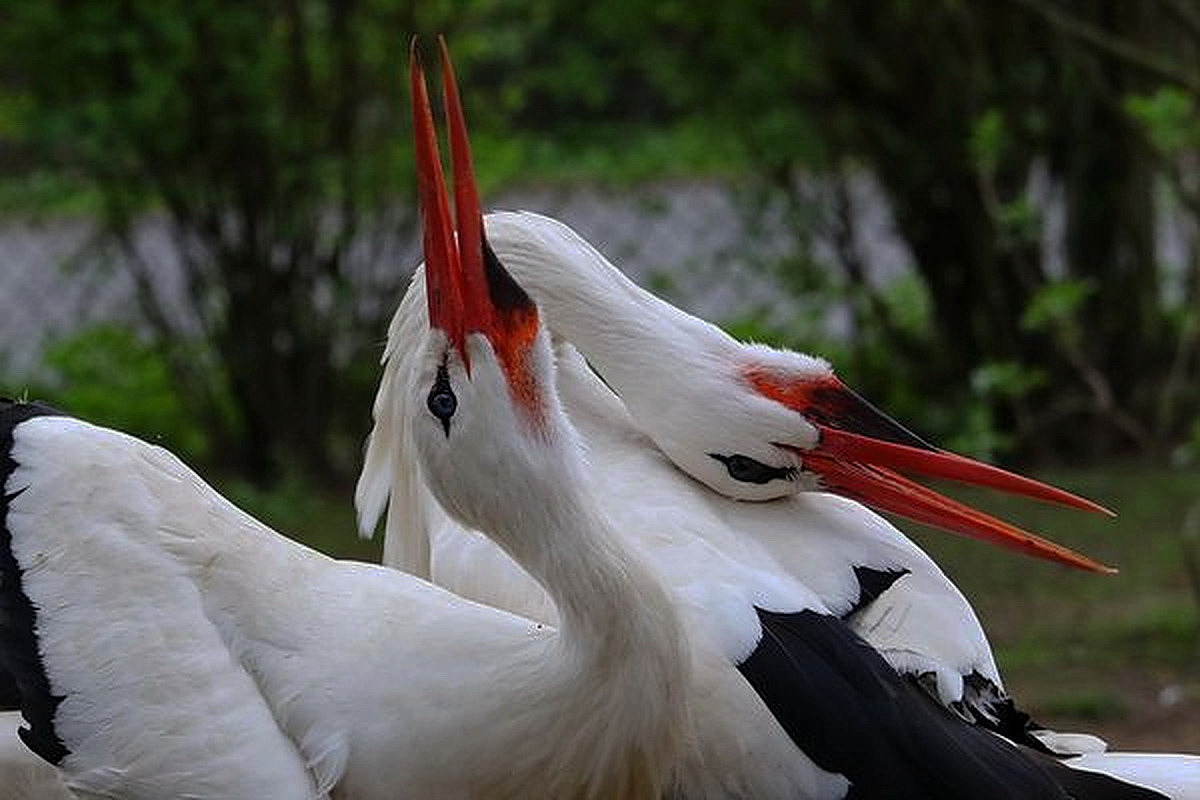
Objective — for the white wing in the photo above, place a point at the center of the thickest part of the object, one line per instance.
(189, 651)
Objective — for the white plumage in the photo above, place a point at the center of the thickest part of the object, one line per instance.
(671, 377)
(168, 645)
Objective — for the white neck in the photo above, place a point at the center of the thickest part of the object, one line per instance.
(610, 690)
(626, 332)
(604, 595)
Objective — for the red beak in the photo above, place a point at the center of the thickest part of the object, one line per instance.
(467, 288)
(859, 448)
(443, 268)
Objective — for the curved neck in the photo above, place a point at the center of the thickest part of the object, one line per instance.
(605, 597)
(624, 330)
(611, 689)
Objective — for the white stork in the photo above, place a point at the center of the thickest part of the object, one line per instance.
(753, 424)
(168, 645)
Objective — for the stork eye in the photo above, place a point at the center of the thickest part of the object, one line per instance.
(747, 470)
(441, 401)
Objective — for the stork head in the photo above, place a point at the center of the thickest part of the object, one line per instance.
(486, 407)
(771, 423)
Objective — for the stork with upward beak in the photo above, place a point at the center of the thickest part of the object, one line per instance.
(167, 645)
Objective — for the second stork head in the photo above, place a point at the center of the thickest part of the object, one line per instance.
(758, 423)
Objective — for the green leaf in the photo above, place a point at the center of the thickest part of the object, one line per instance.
(988, 140)
(1056, 303)
(1169, 116)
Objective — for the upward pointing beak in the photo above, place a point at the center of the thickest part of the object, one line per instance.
(444, 290)
(860, 448)
(467, 289)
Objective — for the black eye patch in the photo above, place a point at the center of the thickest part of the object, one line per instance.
(441, 401)
(747, 470)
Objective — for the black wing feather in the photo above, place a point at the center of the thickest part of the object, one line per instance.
(852, 714)
(872, 583)
(19, 652)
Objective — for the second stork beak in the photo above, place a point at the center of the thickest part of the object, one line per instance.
(859, 450)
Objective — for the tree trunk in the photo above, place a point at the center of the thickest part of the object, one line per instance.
(1108, 176)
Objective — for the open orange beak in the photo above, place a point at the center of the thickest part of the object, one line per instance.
(860, 449)
(467, 289)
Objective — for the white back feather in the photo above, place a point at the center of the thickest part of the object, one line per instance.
(391, 476)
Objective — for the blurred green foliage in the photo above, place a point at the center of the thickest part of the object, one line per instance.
(273, 137)
(317, 516)
(266, 136)
(1169, 116)
(110, 375)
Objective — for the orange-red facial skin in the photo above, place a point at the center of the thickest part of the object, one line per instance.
(795, 394)
(511, 324)
(825, 401)
(522, 386)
